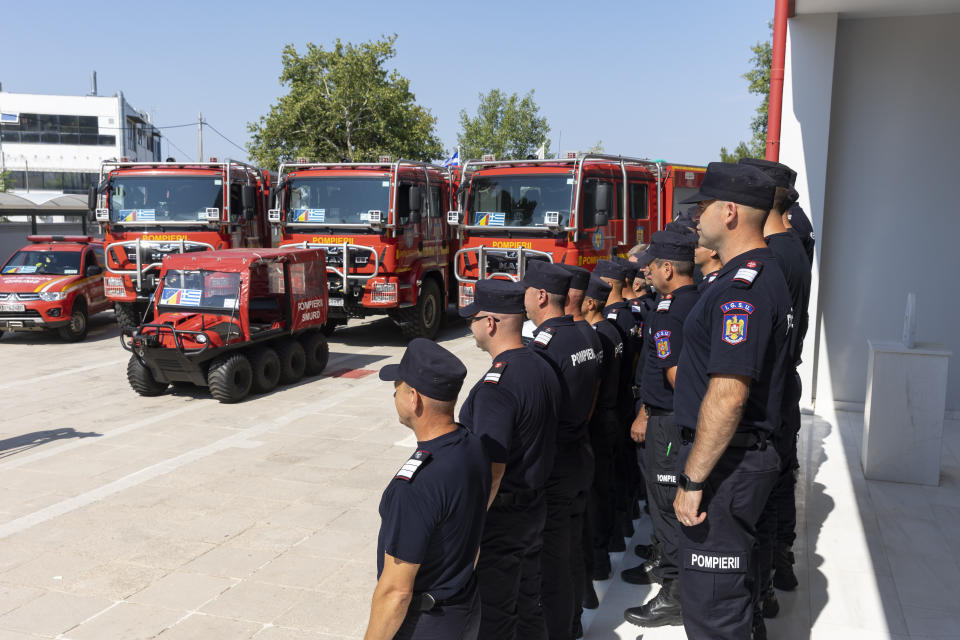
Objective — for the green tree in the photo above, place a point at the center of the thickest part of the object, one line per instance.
(4, 181)
(343, 104)
(759, 78)
(509, 127)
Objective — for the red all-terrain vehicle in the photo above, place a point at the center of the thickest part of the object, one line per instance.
(237, 321)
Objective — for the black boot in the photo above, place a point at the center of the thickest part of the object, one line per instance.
(769, 604)
(590, 599)
(643, 550)
(783, 576)
(643, 574)
(601, 565)
(577, 628)
(664, 609)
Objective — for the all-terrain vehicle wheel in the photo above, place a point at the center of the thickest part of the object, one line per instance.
(142, 380)
(423, 320)
(266, 369)
(230, 377)
(293, 360)
(316, 351)
(77, 329)
(127, 315)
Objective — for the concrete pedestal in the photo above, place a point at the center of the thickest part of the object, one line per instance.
(903, 418)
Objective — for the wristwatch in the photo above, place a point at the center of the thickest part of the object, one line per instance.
(685, 483)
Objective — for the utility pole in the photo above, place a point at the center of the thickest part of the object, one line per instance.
(200, 138)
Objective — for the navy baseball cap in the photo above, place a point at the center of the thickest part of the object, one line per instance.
(629, 268)
(609, 269)
(598, 289)
(739, 183)
(783, 175)
(548, 276)
(800, 222)
(428, 368)
(644, 258)
(668, 245)
(495, 296)
(579, 277)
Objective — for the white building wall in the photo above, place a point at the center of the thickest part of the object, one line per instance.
(890, 223)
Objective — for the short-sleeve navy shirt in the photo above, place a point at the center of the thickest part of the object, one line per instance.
(612, 345)
(707, 281)
(579, 369)
(663, 343)
(641, 308)
(621, 315)
(513, 408)
(793, 263)
(740, 326)
(432, 512)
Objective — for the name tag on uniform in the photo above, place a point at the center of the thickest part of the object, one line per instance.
(412, 466)
(715, 562)
(612, 315)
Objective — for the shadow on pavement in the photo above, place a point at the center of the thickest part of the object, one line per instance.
(102, 327)
(384, 332)
(19, 444)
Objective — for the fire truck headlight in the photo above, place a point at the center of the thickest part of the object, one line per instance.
(52, 296)
(202, 339)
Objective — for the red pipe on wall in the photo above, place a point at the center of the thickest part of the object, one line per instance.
(775, 106)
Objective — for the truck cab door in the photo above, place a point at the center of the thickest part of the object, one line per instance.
(640, 223)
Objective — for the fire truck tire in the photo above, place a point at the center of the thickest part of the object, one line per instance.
(316, 351)
(423, 320)
(293, 361)
(127, 316)
(266, 369)
(77, 329)
(142, 380)
(230, 378)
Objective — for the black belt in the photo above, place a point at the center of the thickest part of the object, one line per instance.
(655, 411)
(516, 498)
(740, 439)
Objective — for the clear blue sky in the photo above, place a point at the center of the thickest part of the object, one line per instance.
(656, 79)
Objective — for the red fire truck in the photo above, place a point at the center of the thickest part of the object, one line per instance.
(148, 210)
(382, 227)
(575, 210)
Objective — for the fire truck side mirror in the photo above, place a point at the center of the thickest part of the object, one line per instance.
(416, 199)
(92, 199)
(453, 218)
(273, 197)
(602, 197)
(248, 198)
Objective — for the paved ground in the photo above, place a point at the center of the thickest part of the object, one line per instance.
(124, 517)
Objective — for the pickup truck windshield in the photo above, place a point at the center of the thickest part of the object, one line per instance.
(61, 263)
(324, 201)
(162, 199)
(519, 200)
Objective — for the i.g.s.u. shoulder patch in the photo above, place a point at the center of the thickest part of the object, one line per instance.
(736, 315)
(544, 337)
(662, 341)
(493, 376)
(412, 467)
(746, 274)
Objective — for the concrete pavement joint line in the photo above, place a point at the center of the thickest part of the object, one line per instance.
(163, 467)
(59, 374)
(40, 455)
(97, 614)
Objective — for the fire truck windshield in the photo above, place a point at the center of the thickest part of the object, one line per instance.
(327, 201)
(200, 288)
(162, 199)
(61, 263)
(518, 200)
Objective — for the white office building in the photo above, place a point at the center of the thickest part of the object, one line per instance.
(51, 145)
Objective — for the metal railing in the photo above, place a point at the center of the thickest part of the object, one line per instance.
(345, 249)
(138, 245)
(520, 253)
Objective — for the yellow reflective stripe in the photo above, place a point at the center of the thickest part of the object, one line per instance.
(79, 283)
(44, 287)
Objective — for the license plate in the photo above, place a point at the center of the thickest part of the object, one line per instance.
(11, 306)
(334, 302)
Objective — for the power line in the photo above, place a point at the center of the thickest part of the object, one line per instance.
(171, 143)
(224, 137)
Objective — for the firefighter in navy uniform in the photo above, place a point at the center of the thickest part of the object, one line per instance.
(513, 408)
(432, 512)
(782, 512)
(727, 404)
(671, 272)
(604, 431)
(559, 340)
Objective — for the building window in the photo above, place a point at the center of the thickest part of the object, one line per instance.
(40, 128)
(66, 181)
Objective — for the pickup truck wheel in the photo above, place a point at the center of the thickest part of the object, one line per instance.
(423, 320)
(77, 329)
(230, 378)
(293, 361)
(266, 369)
(142, 380)
(126, 314)
(316, 351)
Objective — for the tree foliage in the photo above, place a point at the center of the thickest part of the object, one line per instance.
(342, 104)
(509, 127)
(4, 181)
(758, 78)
